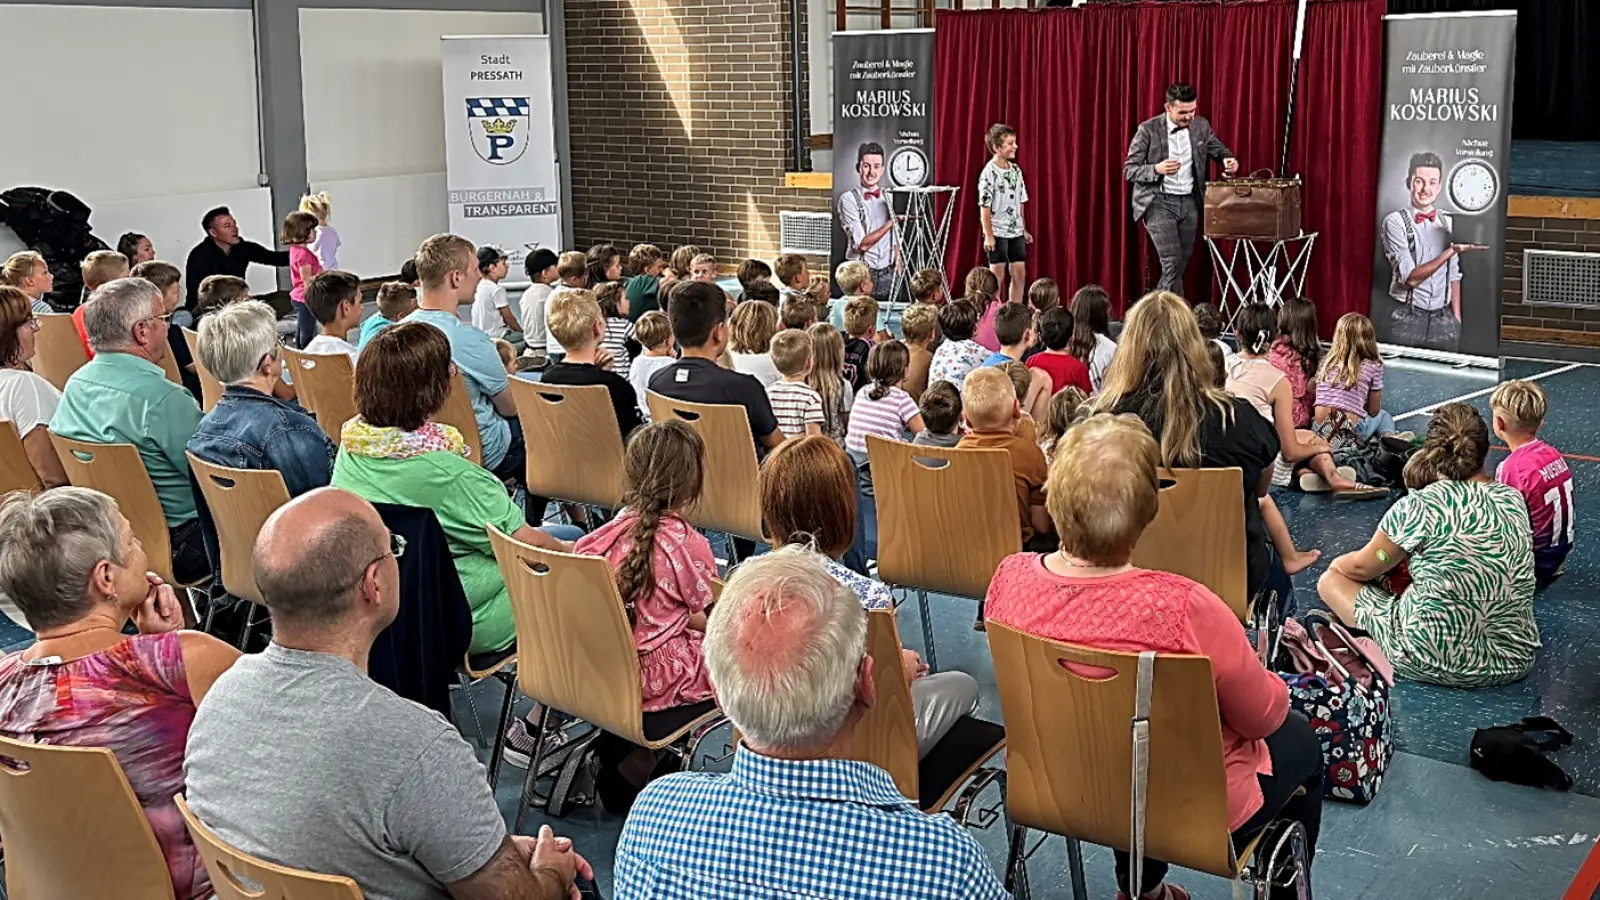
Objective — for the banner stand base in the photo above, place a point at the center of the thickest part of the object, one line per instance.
(1460, 360)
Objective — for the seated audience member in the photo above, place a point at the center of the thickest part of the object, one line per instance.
(941, 416)
(27, 271)
(572, 271)
(765, 292)
(223, 252)
(787, 654)
(122, 396)
(491, 308)
(1350, 384)
(540, 267)
(508, 355)
(249, 428)
(797, 405)
(643, 289)
(794, 273)
(1014, 329)
(26, 399)
(334, 299)
(920, 325)
(1102, 494)
(1466, 619)
(1033, 395)
(827, 379)
(1063, 414)
(751, 273)
(1055, 360)
(799, 312)
(927, 287)
(576, 321)
(1091, 332)
(602, 263)
(1209, 319)
(984, 289)
(1297, 353)
(299, 758)
(680, 267)
(393, 452)
(859, 315)
(136, 247)
(699, 315)
(653, 331)
(820, 291)
(958, 353)
(1162, 375)
(448, 270)
(993, 417)
(664, 568)
(855, 282)
(1043, 296)
(396, 300)
(218, 291)
(99, 268)
(1538, 471)
(167, 279)
(882, 408)
(408, 272)
(71, 564)
(618, 341)
(750, 334)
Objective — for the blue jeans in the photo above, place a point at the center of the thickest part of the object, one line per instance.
(305, 326)
(1382, 423)
(568, 533)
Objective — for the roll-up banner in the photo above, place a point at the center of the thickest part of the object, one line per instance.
(1442, 183)
(882, 139)
(499, 143)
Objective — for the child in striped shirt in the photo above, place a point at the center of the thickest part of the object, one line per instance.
(618, 340)
(797, 406)
(882, 408)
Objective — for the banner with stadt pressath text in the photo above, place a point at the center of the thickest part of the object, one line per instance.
(499, 143)
(1442, 180)
(882, 140)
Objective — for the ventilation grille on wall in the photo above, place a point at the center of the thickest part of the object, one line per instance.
(1560, 278)
(808, 233)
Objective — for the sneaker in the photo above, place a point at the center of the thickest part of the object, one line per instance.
(519, 745)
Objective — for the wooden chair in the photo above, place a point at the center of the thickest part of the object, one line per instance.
(887, 734)
(16, 470)
(575, 653)
(731, 501)
(1069, 758)
(236, 875)
(210, 387)
(170, 366)
(574, 445)
(240, 501)
(1198, 533)
(326, 385)
(58, 349)
(118, 471)
(943, 529)
(458, 414)
(73, 827)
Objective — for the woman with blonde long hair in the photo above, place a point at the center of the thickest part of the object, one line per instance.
(1350, 382)
(1161, 374)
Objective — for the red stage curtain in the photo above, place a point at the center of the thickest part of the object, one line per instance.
(1076, 82)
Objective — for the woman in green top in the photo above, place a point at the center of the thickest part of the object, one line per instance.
(1466, 619)
(394, 453)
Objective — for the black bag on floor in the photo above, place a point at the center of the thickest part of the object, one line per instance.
(1516, 753)
(56, 224)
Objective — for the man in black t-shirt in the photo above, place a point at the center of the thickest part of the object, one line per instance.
(699, 314)
(223, 252)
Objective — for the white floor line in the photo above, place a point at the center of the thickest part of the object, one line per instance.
(1427, 410)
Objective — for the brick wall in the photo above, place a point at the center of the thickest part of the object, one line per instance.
(681, 124)
(1546, 324)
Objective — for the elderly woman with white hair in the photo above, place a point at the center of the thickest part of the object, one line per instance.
(250, 428)
(70, 562)
(786, 648)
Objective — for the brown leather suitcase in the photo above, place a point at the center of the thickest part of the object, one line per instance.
(1262, 209)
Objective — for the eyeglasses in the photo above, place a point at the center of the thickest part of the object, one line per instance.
(32, 322)
(397, 549)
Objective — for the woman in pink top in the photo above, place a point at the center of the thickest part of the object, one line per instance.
(299, 230)
(72, 565)
(1102, 494)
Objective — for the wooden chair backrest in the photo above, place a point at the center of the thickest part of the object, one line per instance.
(575, 649)
(231, 870)
(730, 501)
(887, 735)
(73, 827)
(118, 471)
(16, 470)
(210, 387)
(458, 414)
(574, 445)
(943, 529)
(58, 351)
(170, 366)
(240, 501)
(1069, 748)
(326, 385)
(1198, 533)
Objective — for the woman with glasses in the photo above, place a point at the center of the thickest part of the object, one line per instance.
(27, 401)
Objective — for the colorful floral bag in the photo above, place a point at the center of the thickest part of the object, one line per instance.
(1342, 684)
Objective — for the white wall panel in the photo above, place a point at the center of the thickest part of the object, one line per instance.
(382, 221)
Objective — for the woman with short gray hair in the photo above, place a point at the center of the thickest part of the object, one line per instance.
(250, 428)
(70, 562)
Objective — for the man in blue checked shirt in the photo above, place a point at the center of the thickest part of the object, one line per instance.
(787, 652)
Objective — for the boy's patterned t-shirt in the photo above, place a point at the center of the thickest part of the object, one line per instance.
(1002, 192)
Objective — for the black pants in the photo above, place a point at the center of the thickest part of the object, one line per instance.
(189, 563)
(1296, 762)
(1437, 329)
(1173, 221)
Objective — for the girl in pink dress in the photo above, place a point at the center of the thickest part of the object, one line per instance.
(299, 230)
(664, 566)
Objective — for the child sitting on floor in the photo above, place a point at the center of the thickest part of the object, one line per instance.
(1209, 318)
(984, 289)
(508, 355)
(920, 325)
(994, 419)
(859, 315)
(941, 416)
(927, 286)
(1350, 383)
(1538, 471)
(794, 273)
(799, 312)
(827, 379)
(797, 405)
(1063, 414)
(619, 339)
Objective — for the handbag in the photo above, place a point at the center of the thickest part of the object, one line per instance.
(1342, 684)
(1261, 209)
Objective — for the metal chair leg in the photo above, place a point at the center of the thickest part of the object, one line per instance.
(1075, 869)
(931, 657)
(499, 746)
(733, 550)
(249, 625)
(472, 707)
(529, 780)
(1016, 874)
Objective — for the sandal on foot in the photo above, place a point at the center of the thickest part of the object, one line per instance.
(1361, 492)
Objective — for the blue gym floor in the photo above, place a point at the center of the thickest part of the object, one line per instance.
(1437, 829)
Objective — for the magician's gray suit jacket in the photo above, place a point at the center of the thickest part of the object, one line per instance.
(1149, 147)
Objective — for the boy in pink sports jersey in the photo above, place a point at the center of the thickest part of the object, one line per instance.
(1538, 471)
